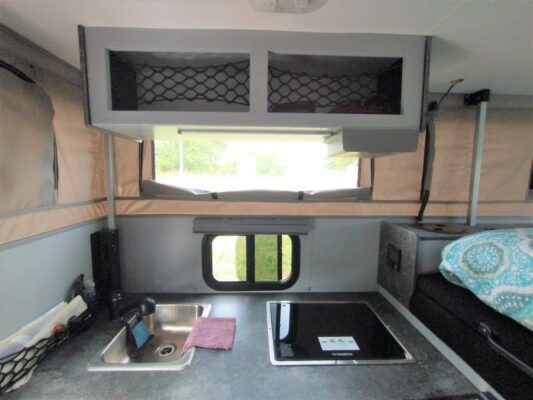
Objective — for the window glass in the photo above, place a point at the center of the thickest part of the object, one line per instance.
(250, 262)
(248, 162)
(229, 258)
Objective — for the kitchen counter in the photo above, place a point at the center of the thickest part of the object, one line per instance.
(245, 372)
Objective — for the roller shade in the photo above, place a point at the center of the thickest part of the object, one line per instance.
(289, 226)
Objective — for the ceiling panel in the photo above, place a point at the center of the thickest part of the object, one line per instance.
(488, 42)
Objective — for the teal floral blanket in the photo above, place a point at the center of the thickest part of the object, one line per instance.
(497, 266)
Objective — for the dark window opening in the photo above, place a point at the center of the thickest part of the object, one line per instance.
(250, 262)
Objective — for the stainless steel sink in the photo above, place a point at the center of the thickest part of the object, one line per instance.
(169, 326)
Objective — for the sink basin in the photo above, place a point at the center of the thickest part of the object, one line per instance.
(169, 326)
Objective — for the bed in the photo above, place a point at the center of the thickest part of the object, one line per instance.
(480, 305)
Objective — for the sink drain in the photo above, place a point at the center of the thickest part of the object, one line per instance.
(166, 350)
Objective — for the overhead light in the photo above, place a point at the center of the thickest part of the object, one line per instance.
(287, 6)
(257, 131)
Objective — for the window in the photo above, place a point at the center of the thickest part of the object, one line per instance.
(250, 262)
(224, 162)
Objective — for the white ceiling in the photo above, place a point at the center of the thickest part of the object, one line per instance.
(487, 42)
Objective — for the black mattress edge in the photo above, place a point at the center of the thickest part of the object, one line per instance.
(472, 347)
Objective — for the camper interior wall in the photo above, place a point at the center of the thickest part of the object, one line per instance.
(36, 274)
(44, 247)
(161, 254)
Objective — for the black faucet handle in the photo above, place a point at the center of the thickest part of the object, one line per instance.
(147, 306)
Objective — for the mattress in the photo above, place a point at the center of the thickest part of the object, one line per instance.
(454, 314)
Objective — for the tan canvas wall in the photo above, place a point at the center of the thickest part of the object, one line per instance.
(398, 177)
(147, 160)
(244, 208)
(80, 150)
(508, 152)
(26, 145)
(57, 108)
(26, 225)
(454, 139)
(126, 167)
(365, 173)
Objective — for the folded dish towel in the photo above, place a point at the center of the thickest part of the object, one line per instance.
(211, 333)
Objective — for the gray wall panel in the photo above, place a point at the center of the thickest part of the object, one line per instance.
(161, 254)
(36, 274)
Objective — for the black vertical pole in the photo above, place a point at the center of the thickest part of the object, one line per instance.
(250, 258)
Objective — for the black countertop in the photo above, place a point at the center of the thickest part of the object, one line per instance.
(245, 372)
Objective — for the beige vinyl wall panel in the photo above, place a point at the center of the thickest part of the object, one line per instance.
(80, 150)
(26, 145)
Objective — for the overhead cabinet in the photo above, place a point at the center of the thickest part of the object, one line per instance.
(151, 82)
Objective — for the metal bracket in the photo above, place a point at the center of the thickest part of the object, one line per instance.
(473, 99)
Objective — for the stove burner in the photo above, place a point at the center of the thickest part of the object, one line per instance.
(329, 333)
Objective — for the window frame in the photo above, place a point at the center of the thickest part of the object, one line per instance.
(249, 284)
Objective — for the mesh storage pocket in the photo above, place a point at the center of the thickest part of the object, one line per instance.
(16, 366)
(182, 81)
(334, 84)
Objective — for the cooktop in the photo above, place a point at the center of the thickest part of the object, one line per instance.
(329, 333)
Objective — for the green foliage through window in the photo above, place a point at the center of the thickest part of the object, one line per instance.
(216, 163)
(269, 256)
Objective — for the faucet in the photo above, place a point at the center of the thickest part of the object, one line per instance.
(130, 316)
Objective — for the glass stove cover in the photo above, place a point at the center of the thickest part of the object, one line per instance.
(328, 333)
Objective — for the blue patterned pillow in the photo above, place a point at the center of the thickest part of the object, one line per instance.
(497, 266)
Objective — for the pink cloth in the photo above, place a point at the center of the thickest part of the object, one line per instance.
(211, 333)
